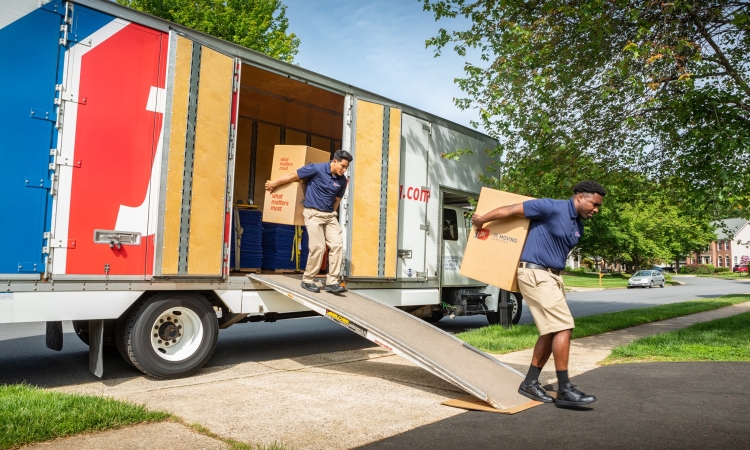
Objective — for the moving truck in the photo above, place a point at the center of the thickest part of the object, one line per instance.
(126, 143)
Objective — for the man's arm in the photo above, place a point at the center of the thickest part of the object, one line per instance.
(500, 213)
(286, 179)
(336, 202)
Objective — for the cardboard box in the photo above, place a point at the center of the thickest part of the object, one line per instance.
(284, 205)
(492, 255)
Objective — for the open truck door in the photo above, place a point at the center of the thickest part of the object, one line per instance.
(373, 194)
(201, 116)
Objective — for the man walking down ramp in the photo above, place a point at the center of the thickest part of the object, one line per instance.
(326, 185)
(556, 227)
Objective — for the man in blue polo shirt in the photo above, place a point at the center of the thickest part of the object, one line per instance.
(326, 184)
(556, 227)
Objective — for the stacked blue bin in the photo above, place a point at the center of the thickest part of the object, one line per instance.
(251, 247)
(278, 246)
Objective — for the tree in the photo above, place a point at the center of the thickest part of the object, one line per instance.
(656, 88)
(260, 25)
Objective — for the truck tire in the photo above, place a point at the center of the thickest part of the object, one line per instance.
(516, 299)
(81, 328)
(435, 317)
(171, 335)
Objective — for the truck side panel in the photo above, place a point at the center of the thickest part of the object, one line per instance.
(29, 56)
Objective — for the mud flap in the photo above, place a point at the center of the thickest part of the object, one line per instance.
(54, 336)
(96, 346)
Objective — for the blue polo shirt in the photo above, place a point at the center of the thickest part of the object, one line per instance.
(555, 229)
(322, 186)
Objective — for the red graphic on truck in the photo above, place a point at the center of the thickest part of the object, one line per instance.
(414, 193)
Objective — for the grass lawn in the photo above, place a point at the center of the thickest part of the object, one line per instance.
(496, 339)
(726, 276)
(609, 280)
(725, 339)
(29, 414)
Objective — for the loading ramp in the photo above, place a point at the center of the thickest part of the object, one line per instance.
(438, 352)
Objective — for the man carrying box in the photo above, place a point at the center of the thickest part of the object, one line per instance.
(326, 185)
(556, 227)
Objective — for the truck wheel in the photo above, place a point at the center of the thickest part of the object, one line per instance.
(435, 317)
(171, 335)
(516, 300)
(81, 327)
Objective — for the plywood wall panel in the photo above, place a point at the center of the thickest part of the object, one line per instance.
(242, 160)
(176, 159)
(205, 243)
(294, 137)
(268, 138)
(320, 143)
(368, 155)
(394, 168)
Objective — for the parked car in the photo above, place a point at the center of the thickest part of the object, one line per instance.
(646, 278)
(741, 268)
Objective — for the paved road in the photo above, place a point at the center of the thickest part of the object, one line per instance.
(23, 355)
(655, 405)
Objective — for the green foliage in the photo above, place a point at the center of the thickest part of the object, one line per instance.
(260, 25)
(496, 339)
(29, 414)
(718, 340)
(703, 269)
(611, 89)
(722, 270)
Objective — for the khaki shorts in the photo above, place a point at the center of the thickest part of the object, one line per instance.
(544, 293)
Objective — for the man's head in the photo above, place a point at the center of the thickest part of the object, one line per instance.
(587, 197)
(340, 162)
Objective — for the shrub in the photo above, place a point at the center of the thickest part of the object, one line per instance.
(697, 268)
(722, 270)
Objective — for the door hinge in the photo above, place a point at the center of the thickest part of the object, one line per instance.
(32, 182)
(58, 160)
(425, 227)
(28, 267)
(43, 114)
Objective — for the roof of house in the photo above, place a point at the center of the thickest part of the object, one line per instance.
(729, 225)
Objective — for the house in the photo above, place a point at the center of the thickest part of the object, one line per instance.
(729, 247)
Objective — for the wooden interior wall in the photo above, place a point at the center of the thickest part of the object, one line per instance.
(368, 153)
(205, 242)
(394, 169)
(294, 137)
(242, 160)
(176, 158)
(268, 137)
(320, 143)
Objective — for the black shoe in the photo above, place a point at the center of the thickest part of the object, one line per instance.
(535, 391)
(335, 288)
(570, 396)
(310, 287)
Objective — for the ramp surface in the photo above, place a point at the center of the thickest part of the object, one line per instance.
(441, 353)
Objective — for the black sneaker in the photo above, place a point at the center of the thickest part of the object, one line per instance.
(335, 288)
(570, 396)
(535, 391)
(310, 287)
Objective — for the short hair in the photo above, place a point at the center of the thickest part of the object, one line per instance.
(589, 187)
(342, 154)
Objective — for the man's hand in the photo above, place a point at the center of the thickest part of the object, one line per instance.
(270, 186)
(286, 179)
(477, 221)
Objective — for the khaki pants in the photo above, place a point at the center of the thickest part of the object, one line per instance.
(323, 229)
(544, 293)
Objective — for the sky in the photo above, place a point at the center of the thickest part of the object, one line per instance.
(379, 45)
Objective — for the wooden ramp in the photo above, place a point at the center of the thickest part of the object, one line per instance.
(439, 352)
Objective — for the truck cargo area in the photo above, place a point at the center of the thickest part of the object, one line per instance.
(273, 110)
(440, 353)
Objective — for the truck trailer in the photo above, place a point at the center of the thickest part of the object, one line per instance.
(127, 145)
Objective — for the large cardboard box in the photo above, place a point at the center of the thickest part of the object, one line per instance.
(492, 254)
(284, 205)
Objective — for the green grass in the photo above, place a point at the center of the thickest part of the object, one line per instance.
(496, 339)
(725, 275)
(725, 339)
(591, 280)
(29, 414)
